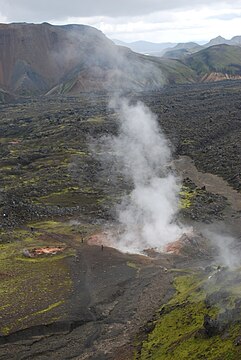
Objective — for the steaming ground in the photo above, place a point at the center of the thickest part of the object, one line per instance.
(227, 247)
(142, 156)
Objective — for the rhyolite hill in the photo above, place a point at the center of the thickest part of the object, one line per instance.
(72, 59)
(68, 59)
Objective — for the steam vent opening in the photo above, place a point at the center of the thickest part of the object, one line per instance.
(147, 217)
(140, 155)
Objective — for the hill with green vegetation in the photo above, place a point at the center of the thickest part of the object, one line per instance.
(225, 59)
(181, 50)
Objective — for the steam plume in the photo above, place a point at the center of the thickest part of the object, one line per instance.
(147, 214)
(226, 245)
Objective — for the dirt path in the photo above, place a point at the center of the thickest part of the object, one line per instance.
(213, 183)
(114, 295)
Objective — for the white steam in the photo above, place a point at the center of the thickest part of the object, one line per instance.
(226, 245)
(147, 214)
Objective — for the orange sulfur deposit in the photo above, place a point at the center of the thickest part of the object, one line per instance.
(175, 247)
(47, 250)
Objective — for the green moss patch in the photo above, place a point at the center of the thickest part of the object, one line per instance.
(186, 197)
(96, 120)
(68, 197)
(32, 290)
(66, 228)
(178, 327)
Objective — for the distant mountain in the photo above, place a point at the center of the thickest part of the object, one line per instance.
(236, 40)
(176, 54)
(219, 40)
(181, 50)
(217, 62)
(175, 51)
(187, 46)
(146, 47)
(68, 59)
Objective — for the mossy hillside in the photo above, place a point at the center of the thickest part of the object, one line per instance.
(33, 290)
(175, 71)
(176, 331)
(70, 197)
(70, 232)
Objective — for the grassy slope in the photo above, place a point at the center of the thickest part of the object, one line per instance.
(219, 58)
(177, 330)
(176, 72)
(27, 300)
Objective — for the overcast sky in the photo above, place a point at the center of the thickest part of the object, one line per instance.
(131, 20)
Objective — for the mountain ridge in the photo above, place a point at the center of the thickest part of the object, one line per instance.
(70, 59)
(35, 58)
(165, 47)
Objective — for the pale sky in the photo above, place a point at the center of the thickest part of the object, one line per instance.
(132, 20)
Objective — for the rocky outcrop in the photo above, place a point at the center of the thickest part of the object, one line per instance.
(5, 97)
(217, 76)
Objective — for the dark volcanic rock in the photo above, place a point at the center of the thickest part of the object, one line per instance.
(204, 206)
(238, 341)
(211, 326)
(203, 121)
